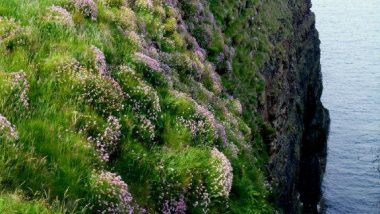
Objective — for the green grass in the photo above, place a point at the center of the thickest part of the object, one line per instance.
(14, 203)
(54, 158)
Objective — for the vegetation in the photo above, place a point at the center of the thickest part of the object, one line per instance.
(118, 106)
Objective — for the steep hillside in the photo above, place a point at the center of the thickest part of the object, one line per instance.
(145, 106)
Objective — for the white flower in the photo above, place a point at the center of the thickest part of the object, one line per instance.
(223, 166)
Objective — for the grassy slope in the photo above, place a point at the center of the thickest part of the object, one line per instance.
(54, 161)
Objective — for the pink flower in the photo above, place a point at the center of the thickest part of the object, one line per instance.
(107, 142)
(87, 7)
(21, 82)
(113, 195)
(7, 130)
(100, 61)
(151, 63)
(59, 15)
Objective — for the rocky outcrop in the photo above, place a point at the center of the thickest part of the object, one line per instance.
(291, 104)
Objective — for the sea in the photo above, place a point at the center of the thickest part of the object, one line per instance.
(350, 57)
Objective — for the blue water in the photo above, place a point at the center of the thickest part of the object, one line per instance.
(350, 36)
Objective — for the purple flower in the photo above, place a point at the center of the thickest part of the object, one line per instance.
(7, 130)
(100, 61)
(149, 62)
(174, 206)
(112, 193)
(87, 7)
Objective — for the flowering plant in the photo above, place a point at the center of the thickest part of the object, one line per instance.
(111, 193)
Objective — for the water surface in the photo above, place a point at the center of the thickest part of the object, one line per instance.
(350, 36)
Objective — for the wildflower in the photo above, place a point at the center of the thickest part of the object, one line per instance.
(12, 33)
(20, 82)
(175, 206)
(142, 98)
(201, 53)
(215, 79)
(237, 107)
(147, 61)
(197, 127)
(145, 98)
(202, 197)
(144, 4)
(59, 15)
(233, 149)
(87, 7)
(125, 18)
(100, 61)
(102, 93)
(112, 193)
(223, 181)
(107, 142)
(146, 129)
(7, 130)
(116, 3)
(134, 38)
(101, 67)
(217, 127)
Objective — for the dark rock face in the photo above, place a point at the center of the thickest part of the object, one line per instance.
(292, 105)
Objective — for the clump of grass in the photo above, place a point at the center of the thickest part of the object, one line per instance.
(16, 203)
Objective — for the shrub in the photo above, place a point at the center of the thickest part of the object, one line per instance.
(103, 94)
(212, 80)
(223, 181)
(144, 5)
(100, 61)
(182, 63)
(142, 98)
(125, 18)
(145, 129)
(194, 179)
(147, 62)
(107, 142)
(59, 15)
(200, 122)
(12, 34)
(14, 90)
(111, 193)
(87, 7)
(116, 3)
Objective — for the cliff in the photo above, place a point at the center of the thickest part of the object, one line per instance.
(292, 105)
(153, 106)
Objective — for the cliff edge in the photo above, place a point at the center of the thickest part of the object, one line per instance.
(160, 106)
